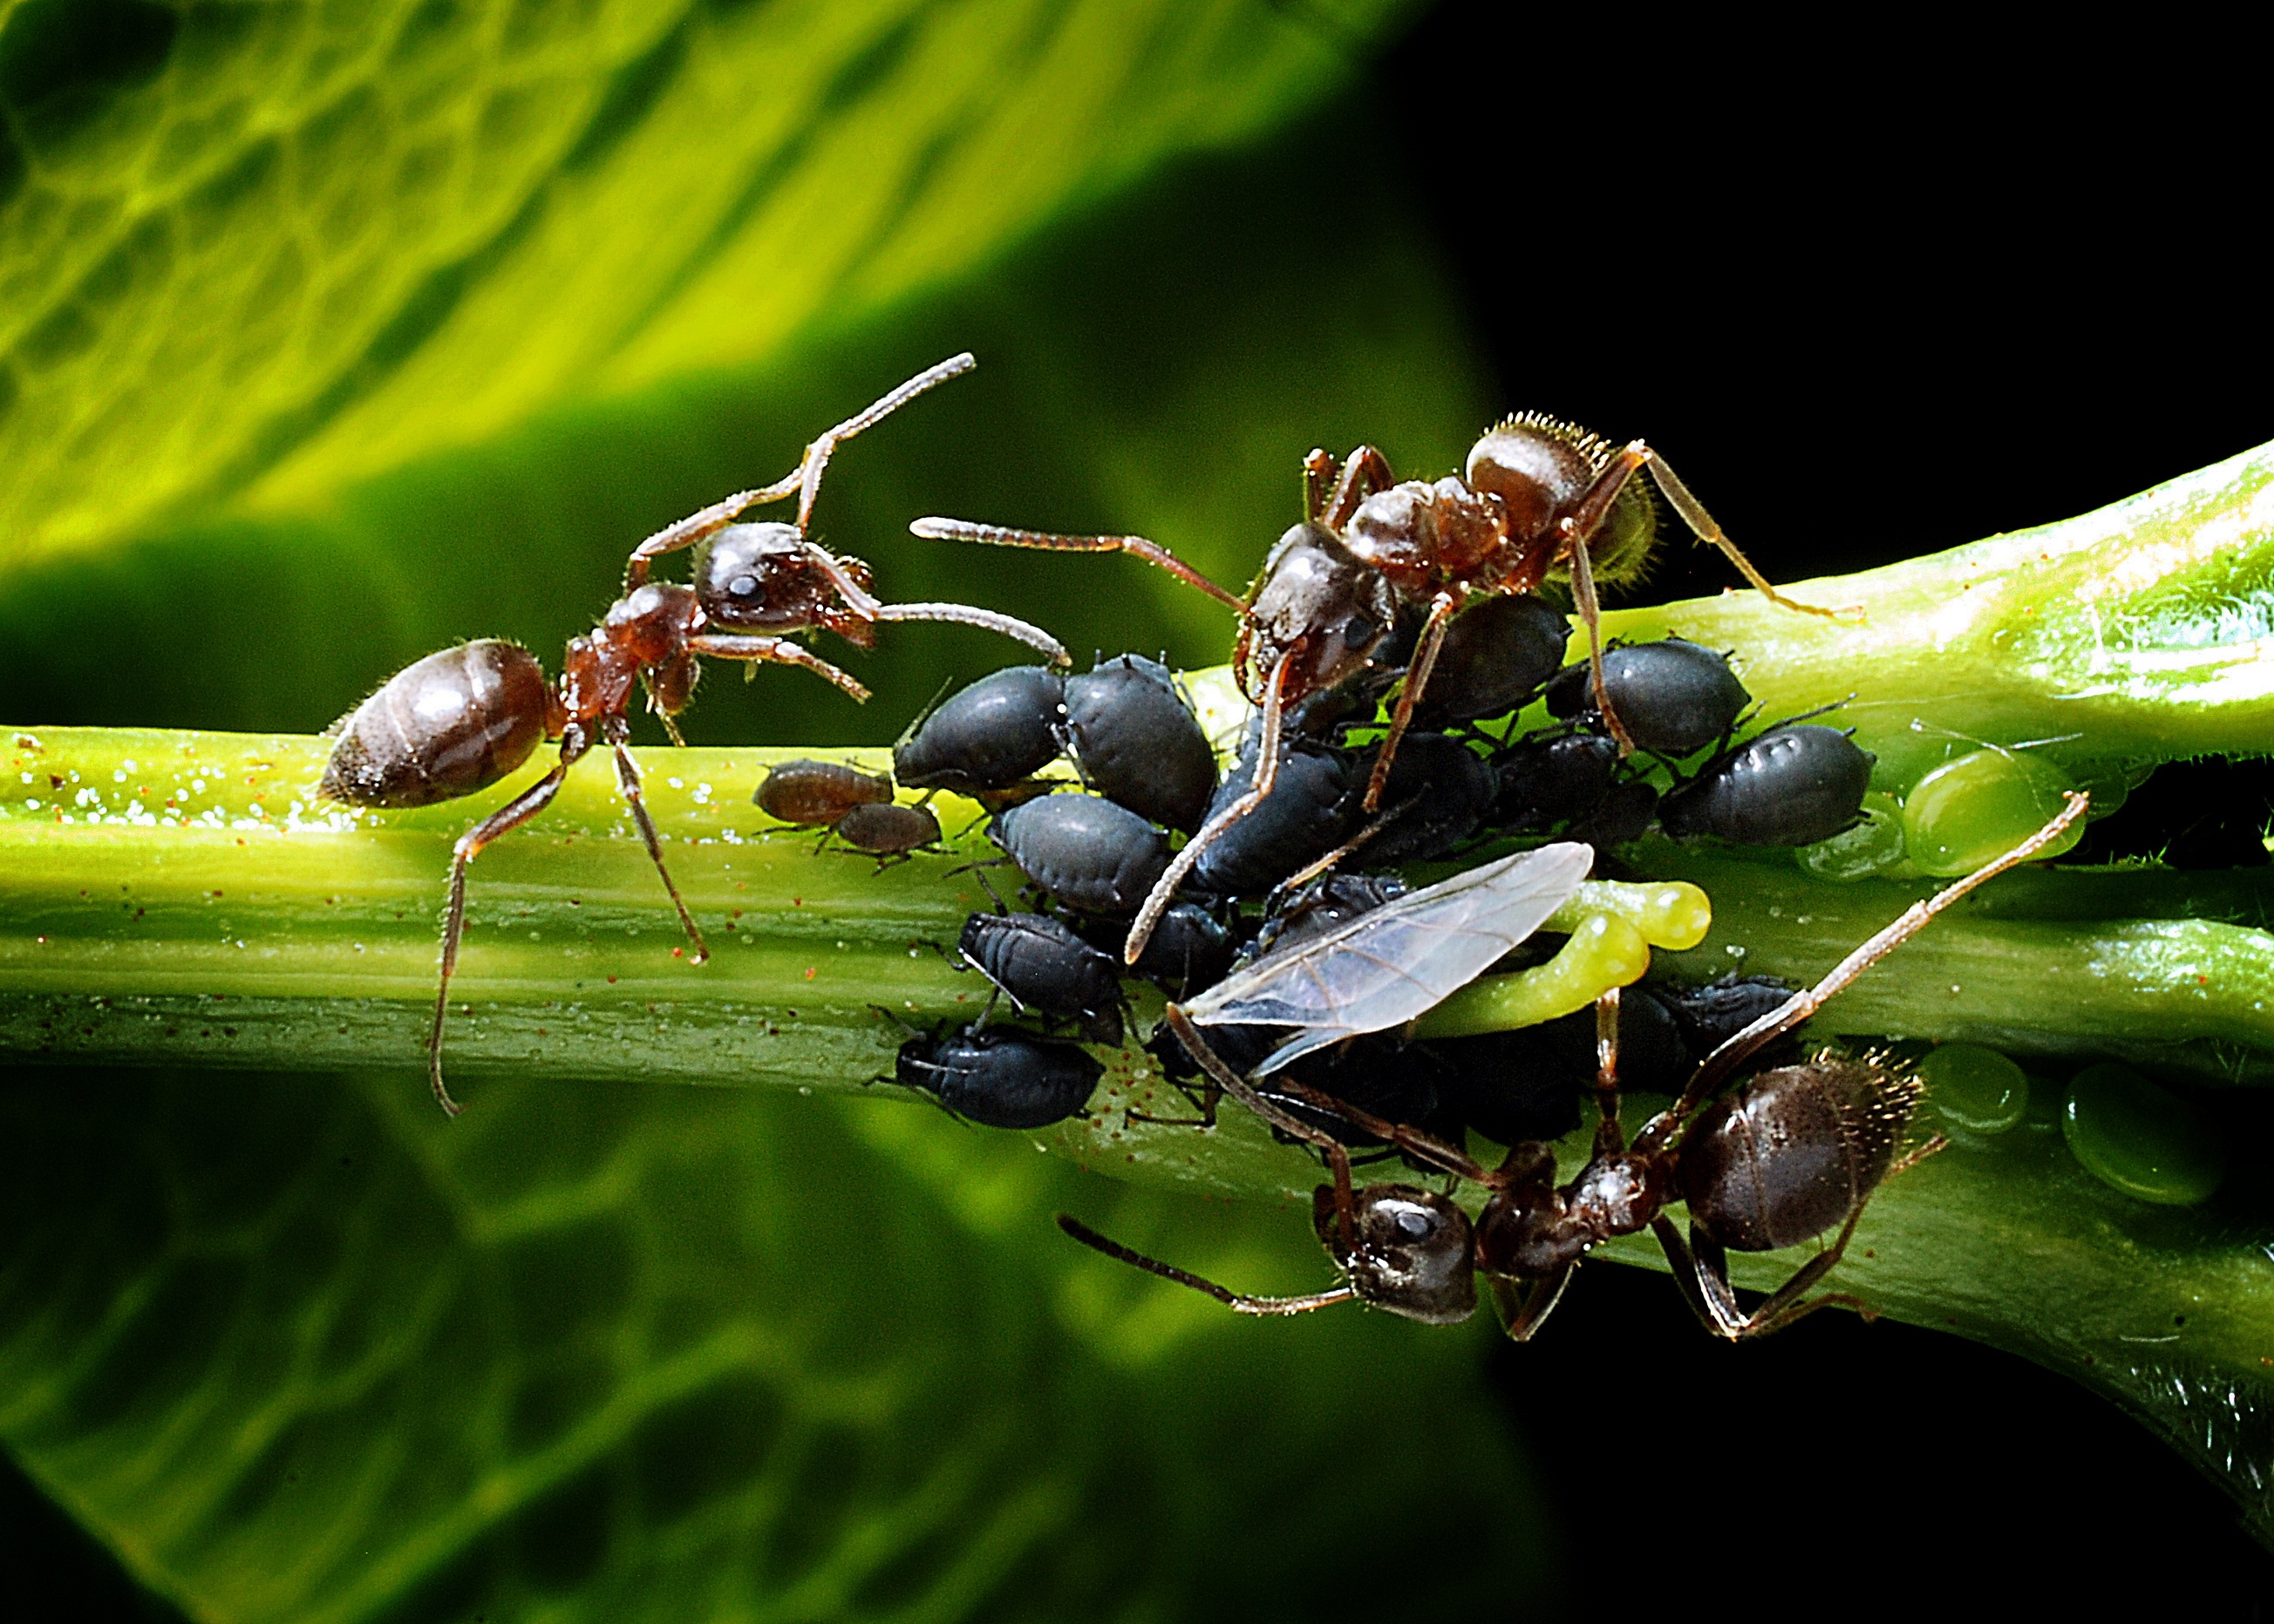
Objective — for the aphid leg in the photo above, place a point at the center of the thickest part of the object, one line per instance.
(1702, 1269)
(1442, 609)
(627, 779)
(805, 479)
(1232, 1300)
(1233, 1084)
(1702, 525)
(1724, 1061)
(1266, 775)
(986, 620)
(1523, 1313)
(777, 650)
(1152, 552)
(505, 820)
(1364, 471)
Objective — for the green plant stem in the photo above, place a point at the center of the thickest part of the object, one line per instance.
(182, 898)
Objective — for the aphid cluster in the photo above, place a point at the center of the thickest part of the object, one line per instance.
(1382, 641)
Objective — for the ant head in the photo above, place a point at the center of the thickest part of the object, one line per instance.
(1413, 1255)
(764, 577)
(1320, 605)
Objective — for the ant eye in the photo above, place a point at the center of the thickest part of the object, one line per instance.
(1358, 629)
(1415, 1224)
(742, 587)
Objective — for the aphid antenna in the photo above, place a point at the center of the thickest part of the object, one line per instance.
(1238, 1302)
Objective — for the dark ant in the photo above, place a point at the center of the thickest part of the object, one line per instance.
(457, 721)
(1783, 1157)
(1535, 495)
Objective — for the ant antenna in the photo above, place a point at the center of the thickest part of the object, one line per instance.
(1796, 1009)
(1232, 1300)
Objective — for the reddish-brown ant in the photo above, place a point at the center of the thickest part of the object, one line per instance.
(1537, 495)
(1783, 1157)
(457, 721)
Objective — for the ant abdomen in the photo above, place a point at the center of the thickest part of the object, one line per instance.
(1794, 1152)
(443, 727)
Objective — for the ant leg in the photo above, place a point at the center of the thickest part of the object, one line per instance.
(1724, 1061)
(775, 651)
(1136, 547)
(1609, 1139)
(505, 820)
(805, 479)
(1364, 471)
(1417, 678)
(1233, 1084)
(1232, 1300)
(1703, 1267)
(1702, 525)
(986, 620)
(1266, 775)
(1590, 615)
(1321, 469)
(1397, 1135)
(1522, 1314)
(627, 779)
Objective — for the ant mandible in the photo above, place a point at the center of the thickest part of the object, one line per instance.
(1781, 1158)
(1536, 495)
(458, 721)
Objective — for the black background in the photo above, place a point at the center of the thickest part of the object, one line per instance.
(1897, 291)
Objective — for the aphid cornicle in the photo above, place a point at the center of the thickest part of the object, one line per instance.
(453, 723)
(1781, 1157)
(1536, 495)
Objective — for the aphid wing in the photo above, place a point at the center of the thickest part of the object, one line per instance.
(1388, 967)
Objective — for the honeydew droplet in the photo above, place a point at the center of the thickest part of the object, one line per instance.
(1968, 812)
(2141, 1138)
(1974, 1089)
(1872, 846)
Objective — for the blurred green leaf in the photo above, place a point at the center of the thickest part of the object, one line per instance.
(303, 1350)
(263, 251)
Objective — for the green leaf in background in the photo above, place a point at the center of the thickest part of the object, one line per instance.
(271, 250)
(303, 1353)
(325, 338)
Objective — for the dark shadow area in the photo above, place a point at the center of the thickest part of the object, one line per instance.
(54, 1572)
(1866, 318)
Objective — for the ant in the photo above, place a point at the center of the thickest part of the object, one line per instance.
(1536, 495)
(458, 721)
(1783, 1157)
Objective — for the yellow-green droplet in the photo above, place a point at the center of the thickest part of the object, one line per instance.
(1671, 913)
(1969, 811)
(1604, 953)
(1974, 1089)
(2141, 1139)
(1872, 846)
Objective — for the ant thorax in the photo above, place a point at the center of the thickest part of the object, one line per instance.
(1531, 1230)
(1422, 536)
(645, 631)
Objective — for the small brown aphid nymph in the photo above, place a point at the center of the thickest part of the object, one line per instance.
(813, 794)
